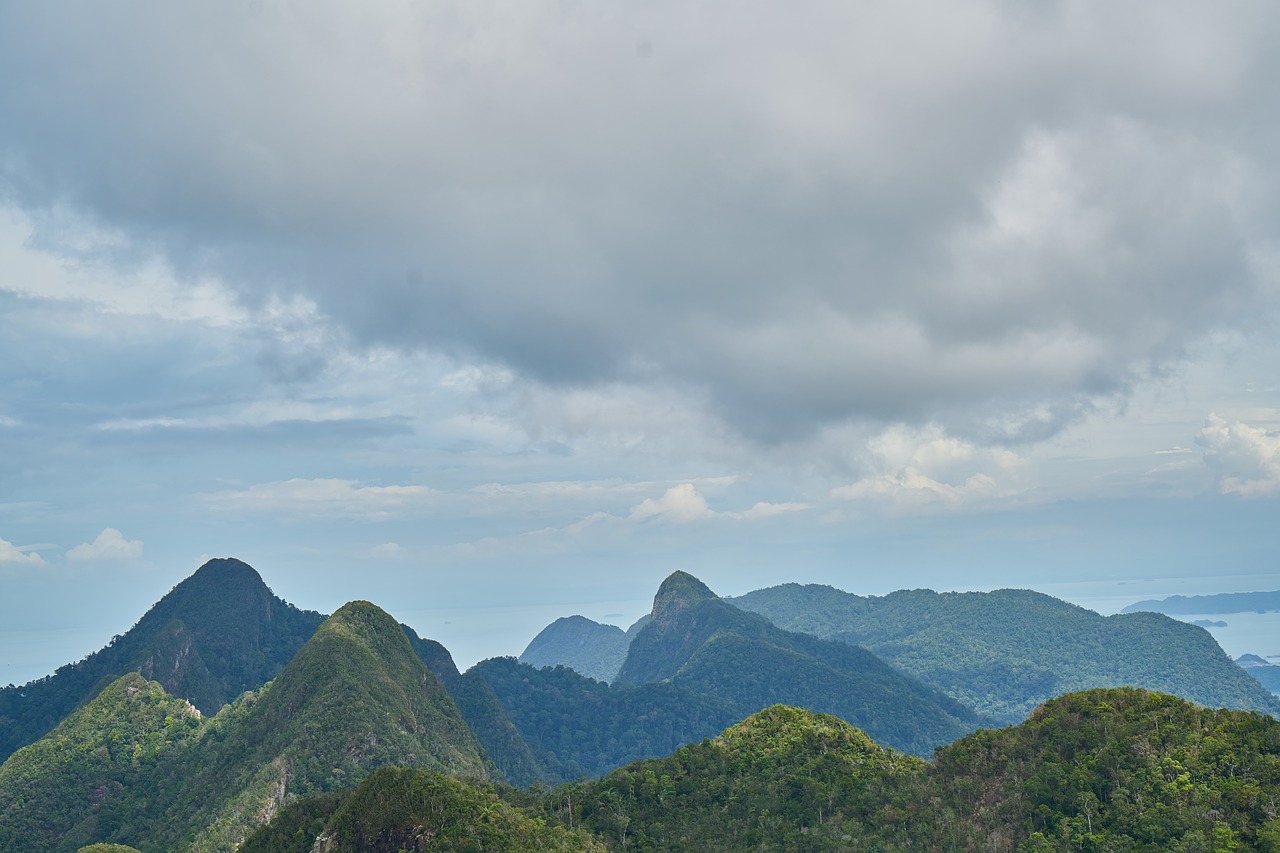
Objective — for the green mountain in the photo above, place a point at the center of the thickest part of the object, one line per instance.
(503, 742)
(578, 726)
(1203, 605)
(215, 635)
(782, 779)
(597, 651)
(64, 790)
(354, 698)
(1003, 653)
(697, 641)
(1261, 670)
(1102, 770)
(396, 809)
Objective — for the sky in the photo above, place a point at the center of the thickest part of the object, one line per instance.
(493, 313)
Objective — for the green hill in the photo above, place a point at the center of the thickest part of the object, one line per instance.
(578, 726)
(1005, 652)
(354, 698)
(215, 635)
(697, 641)
(1101, 770)
(65, 790)
(396, 809)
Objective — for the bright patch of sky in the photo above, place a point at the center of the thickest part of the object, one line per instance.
(508, 314)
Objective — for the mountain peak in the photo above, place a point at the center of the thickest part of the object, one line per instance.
(678, 592)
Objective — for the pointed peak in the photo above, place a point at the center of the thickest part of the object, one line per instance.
(678, 591)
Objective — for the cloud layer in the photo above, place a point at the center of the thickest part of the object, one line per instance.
(984, 216)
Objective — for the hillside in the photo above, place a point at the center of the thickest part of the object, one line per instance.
(578, 726)
(396, 809)
(597, 651)
(1005, 652)
(215, 635)
(699, 642)
(353, 699)
(1101, 770)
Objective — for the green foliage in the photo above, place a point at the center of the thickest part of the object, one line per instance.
(783, 779)
(712, 648)
(511, 756)
(216, 634)
(396, 809)
(581, 727)
(1102, 770)
(1003, 653)
(107, 848)
(354, 698)
(296, 827)
(62, 791)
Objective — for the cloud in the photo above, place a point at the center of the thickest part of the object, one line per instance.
(684, 503)
(110, 545)
(320, 497)
(1248, 456)
(879, 212)
(916, 468)
(10, 553)
(387, 549)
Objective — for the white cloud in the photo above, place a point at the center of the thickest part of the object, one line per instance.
(324, 497)
(914, 468)
(10, 553)
(1248, 456)
(684, 503)
(387, 549)
(110, 545)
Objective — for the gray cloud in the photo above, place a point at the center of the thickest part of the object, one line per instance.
(990, 217)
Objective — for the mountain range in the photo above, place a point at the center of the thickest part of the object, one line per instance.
(156, 753)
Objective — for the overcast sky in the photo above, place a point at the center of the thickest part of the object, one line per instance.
(495, 312)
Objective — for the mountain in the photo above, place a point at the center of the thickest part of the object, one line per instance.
(697, 641)
(215, 635)
(597, 651)
(1003, 653)
(1204, 605)
(503, 742)
(782, 779)
(578, 726)
(354, 698)
(397, 809)
(1115, 769)
(61, 792)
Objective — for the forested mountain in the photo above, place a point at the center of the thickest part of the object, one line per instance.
(578, 726)
(502, 740)
(1204, 605)
(1005, 652)
(597, 651)
(353, 699)
(708, 646)
(1103, 770)
(396, 810)
(215, 635)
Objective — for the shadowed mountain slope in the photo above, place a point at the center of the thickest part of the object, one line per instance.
(215, 635)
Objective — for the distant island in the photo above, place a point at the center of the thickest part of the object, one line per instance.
(1203, 605)
(1209, 623)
